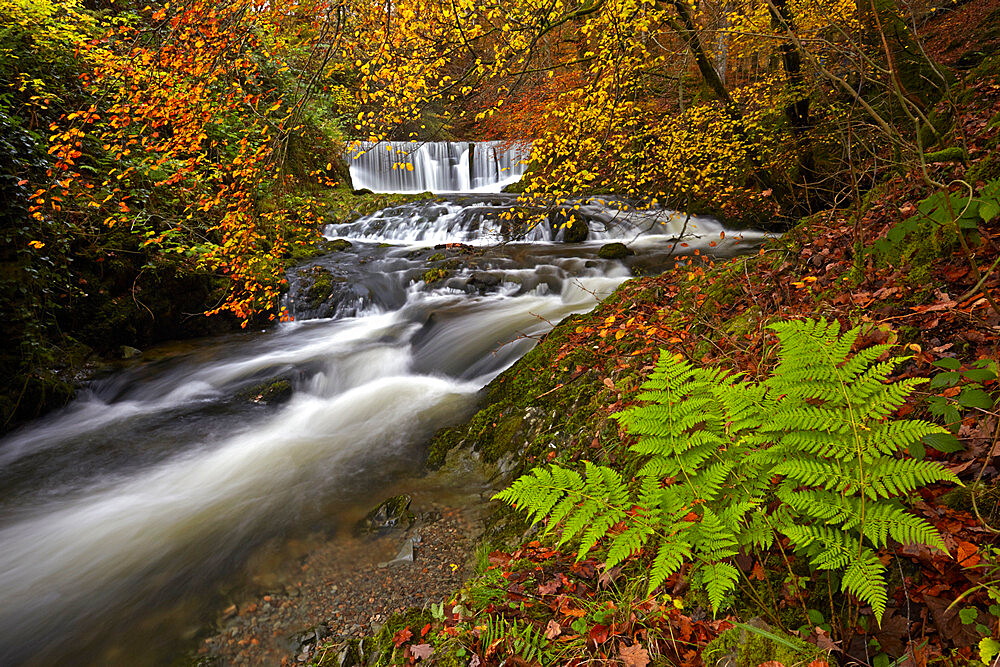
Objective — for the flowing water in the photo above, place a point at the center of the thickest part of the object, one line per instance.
(161, 479)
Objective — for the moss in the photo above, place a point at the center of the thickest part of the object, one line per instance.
(950, 154)
(757, 643)
(434, 275)
(436, 257)
(986, 495)
(338, 245)
(321, 287)
(614, 251)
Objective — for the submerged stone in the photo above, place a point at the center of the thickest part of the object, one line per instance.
(391, 513)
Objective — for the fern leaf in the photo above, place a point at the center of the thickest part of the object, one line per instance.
(865, 578)
(720, 580)
(670, 555)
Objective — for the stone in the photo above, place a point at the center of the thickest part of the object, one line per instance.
(278, 391)
(405, 554)
(573, 226)
(391, 513)
(129, 352)
(614, 251)
(338, 245)
(483, 281)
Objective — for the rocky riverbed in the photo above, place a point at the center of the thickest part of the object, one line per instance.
(346, 588)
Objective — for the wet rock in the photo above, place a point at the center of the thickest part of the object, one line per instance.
(392, 513)
(434, 275)
(304, 643)
(614, 251)
(574, 227)
(338, 245)
(483, 281)
(405, 554)
(361, 191)
(320, 285)
(129, 352)
(270, 392)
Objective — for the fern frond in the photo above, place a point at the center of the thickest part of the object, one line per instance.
(720, 579)
(865, 578)
(628, 543)
(671, 554)
(894, 436)
(712, 538)
(892, 477)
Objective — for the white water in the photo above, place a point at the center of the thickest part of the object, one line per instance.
(165, 502)
(436, 166)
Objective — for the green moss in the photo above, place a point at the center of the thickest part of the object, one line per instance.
(756, 643)
(321, 286)
(436, 257)
(338, 245)
(985, 494)
(434, 275)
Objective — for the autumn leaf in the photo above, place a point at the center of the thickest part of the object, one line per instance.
(421, 651)
(634, 656)
(552, 630)
(402, 636)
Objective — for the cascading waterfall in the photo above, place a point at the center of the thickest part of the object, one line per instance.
(436, 166)
(163, 477)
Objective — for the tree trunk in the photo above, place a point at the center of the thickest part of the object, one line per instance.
(797, 111)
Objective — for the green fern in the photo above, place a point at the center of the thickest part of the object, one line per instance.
(717, 451)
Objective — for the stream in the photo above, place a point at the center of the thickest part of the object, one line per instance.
(161, 481)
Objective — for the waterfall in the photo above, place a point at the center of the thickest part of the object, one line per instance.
(436, 166)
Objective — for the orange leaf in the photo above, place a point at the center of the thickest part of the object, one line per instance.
(968, 554)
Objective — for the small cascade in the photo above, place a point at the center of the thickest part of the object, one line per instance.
(436, 166)
(481, 219)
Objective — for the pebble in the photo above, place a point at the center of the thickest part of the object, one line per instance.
(353, 597)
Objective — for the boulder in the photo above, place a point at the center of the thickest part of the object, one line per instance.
(614, 251)
(338, 245)
(575, 228)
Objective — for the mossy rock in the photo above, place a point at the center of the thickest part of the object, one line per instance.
(434, 275)
(436, 257)
(338, 245)
(985, 494)
(756, 643)
(321, 286)
(391, 513)
(270, 392)
(614, 251)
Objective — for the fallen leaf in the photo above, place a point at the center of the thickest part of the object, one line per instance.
(634, 656)
(402, 636)
(552, 630)
(549, 588)
(968, 554)
(598, 633)
(421, 651)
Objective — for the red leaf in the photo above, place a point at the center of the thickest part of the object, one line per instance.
(598, 633)
(402, 636)
(425, 629)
